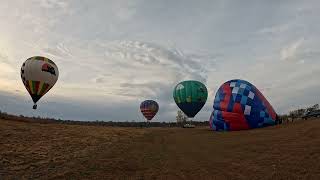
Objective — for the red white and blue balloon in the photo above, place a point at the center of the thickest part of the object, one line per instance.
(239, 105)
(149, 109)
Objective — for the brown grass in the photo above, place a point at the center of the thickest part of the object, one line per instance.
(57, 151)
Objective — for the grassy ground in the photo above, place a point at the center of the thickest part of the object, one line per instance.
(56, 151)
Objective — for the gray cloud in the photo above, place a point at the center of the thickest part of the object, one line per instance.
(114, 54)
(152, 55)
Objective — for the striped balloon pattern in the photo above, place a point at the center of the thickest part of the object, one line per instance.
(239, 105)
(190, 96)
(149, 109)
(39, 75)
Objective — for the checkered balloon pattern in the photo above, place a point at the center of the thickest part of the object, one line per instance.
(239, 105)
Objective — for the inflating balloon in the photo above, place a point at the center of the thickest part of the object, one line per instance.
(39, 74)
(190, 96)
(149, 109)
(239, 105)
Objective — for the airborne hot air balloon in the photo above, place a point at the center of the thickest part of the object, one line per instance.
(239, 105)
(39, 74)
(149, 109)
(190, 96)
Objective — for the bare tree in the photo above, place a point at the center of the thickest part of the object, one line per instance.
(181, 118)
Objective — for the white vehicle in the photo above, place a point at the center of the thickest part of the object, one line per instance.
(188, 126)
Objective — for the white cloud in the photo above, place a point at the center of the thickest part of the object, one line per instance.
(52, 4)
(277, 29)
(291, 51)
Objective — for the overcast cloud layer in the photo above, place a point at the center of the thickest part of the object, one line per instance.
(114, 54)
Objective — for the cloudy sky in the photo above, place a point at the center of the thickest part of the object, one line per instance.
(114, 54)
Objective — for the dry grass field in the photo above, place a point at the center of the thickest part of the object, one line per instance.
(57, 151)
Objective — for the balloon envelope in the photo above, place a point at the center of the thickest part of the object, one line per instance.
(39, 74)
(190, 96)
(149, 109)
(239, 105)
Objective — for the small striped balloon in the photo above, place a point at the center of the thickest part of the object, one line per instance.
(149, 109)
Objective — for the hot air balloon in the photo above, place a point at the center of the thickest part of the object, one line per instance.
(149, 109)
(190, 96)
(239, 105)
(39, 74)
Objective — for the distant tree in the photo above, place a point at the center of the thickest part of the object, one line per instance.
(297, 113)
(313, 108)
(181, 118)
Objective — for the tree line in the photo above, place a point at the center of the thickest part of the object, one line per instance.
(181, 119)
(46, 120)
(299, 113)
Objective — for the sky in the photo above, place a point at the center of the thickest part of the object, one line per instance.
(114, 54)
